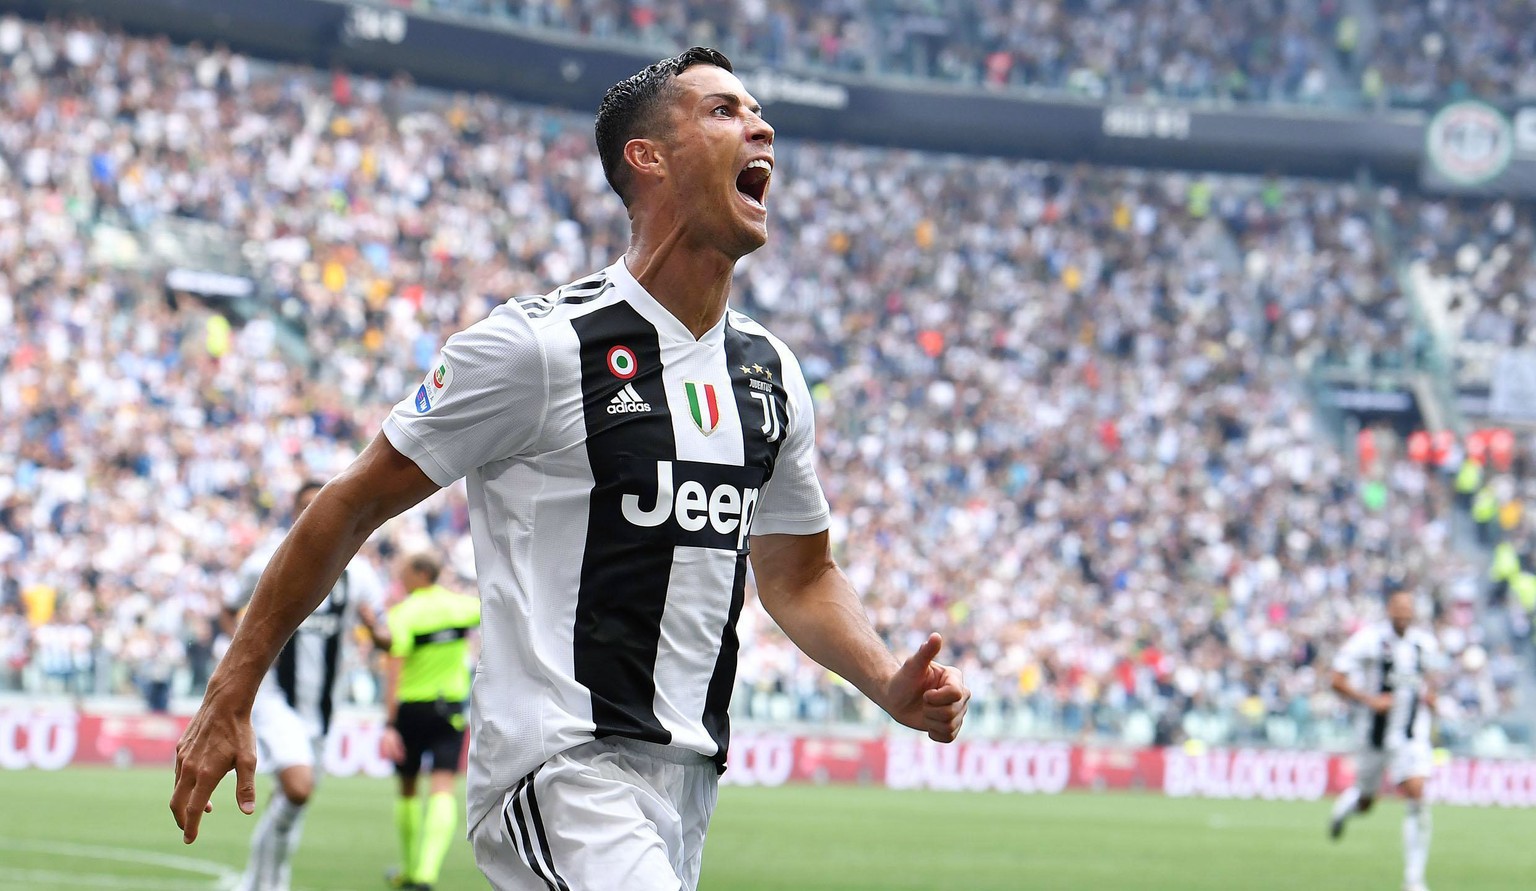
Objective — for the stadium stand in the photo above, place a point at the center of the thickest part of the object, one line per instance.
(1426, 52)
(1063, 408)
(1330, 53)
(1253, 50)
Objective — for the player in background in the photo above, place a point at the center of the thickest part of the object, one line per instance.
(292, 710)
(629, 442)
(426, 691)
(1386, 668)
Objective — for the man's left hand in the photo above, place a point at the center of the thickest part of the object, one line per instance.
(927, 695)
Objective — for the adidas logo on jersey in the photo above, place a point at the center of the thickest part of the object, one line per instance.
(627, 402)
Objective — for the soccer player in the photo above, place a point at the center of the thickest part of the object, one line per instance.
(1390, 661)
(628, 441)
(291, 711)
(426, 688)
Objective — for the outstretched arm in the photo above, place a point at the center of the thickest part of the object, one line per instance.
(375, 626)
(1379, 702)
(378, 485)
(392, 745)
(802, 588)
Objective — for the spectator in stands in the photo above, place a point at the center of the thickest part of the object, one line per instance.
(15, 645)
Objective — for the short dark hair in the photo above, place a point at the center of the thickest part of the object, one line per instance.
(426, 564)
(309, 485)
(629, 108)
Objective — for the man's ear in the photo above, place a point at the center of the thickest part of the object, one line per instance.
(646, 158)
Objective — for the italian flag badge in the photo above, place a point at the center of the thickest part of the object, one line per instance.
(703, 405)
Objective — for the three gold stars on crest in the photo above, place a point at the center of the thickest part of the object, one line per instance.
(754, 368)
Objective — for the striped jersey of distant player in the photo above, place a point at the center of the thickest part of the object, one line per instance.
(615, 467)
(307, 673)
(1379, 661)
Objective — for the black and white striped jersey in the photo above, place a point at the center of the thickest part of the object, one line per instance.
(307, 673)
(615, 468)
(1378, 660)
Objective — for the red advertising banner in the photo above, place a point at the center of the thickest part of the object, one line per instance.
(52, 737)
(1249, 773)
(47, 738)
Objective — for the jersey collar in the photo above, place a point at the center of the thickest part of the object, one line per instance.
(668, 326)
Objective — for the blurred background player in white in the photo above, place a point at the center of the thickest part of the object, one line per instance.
(1385, 667)
(293, 706)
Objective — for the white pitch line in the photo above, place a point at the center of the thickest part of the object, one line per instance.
(176, 862)
(32, 878)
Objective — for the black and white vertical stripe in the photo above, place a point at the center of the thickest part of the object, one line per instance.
(1384, 685)
(308, 663)
(525, 826)
(625, 576)
(1413, 701)
(762, 436)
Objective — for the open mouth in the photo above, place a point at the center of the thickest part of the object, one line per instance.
(752, 182)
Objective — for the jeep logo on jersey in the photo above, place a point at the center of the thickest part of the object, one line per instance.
(621, 361)
(707, 505)
(326, 624)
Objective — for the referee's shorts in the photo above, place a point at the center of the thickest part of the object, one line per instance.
(435, 727)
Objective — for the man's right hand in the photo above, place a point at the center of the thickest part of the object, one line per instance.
(392, 746)
(218, 740)
(381, 483)
(1381, 703)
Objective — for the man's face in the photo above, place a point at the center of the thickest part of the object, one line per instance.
(719, 159)
(1400, 611)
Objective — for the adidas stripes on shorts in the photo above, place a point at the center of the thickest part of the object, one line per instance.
(608, 814)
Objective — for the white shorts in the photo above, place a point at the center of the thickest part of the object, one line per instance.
(1398, 763)
(613, 813)
(283, 738)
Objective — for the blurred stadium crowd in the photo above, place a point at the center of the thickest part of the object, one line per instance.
(1062, 414)
(1329, 52)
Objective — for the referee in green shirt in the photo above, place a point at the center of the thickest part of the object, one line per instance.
(426, 685)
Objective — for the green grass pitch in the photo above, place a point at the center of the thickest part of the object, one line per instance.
(110, 829)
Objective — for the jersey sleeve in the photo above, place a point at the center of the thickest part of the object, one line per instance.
(402, 638)
(467, 611)
(792, 501)
(482, 401)
(1353, 655)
